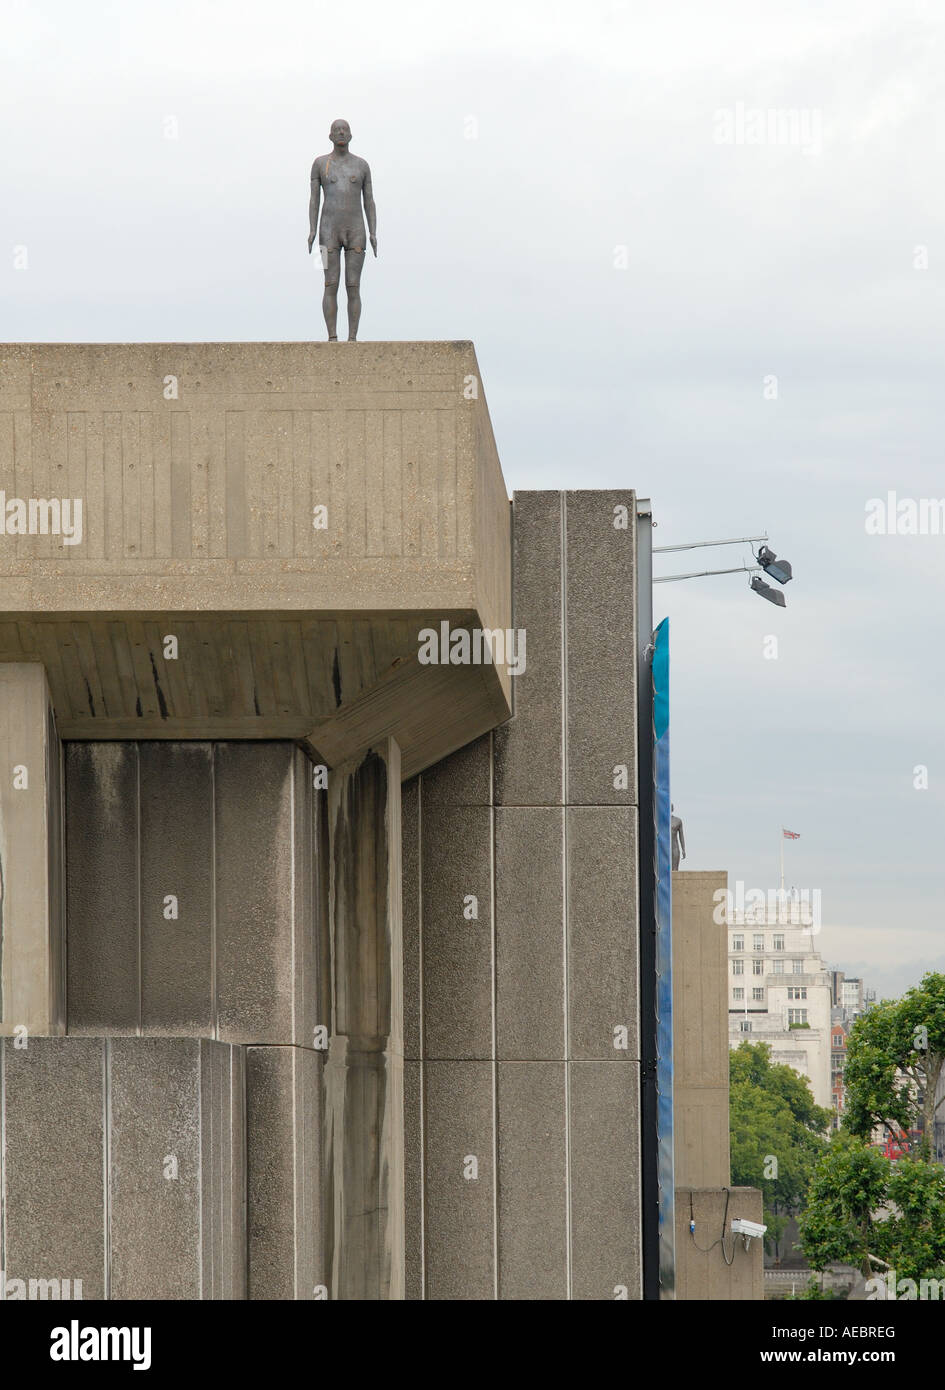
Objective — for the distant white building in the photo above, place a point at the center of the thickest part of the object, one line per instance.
(780, 991)
(852, 997)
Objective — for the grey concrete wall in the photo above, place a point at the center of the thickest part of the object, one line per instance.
(287, 1236)
(238, 835)
(520, 947)
(121, 1164)
(229, 830)
(701, 1270)
(32, 992)
(700, 1032)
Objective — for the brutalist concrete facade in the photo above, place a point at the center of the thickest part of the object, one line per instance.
(319, 971)
(520, 912)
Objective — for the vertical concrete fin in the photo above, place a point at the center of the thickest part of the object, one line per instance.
(364, 1101)
(31, 930)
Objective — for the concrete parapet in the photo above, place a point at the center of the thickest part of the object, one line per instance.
(247, 539)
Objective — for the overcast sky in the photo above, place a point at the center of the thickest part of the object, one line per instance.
(553, 181)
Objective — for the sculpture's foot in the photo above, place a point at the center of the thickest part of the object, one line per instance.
(352, 340)
(332, 340)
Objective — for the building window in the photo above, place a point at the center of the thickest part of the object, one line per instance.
(757, 967)
(797, 1016)
(777, 967)
(778, 941)
(759, 942)
(738, 993)
(798, 967)
(738, 967)
(745, 1025)
(738, 943)
(757, 994)
(799, 992)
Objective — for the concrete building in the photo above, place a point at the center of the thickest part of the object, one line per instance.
(849, 998)
(710, 1262)
(852, 997)
(780, 992)
(327, 924)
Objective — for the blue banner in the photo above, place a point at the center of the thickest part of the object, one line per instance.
(664, 959)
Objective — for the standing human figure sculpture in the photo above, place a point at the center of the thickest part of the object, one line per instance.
(678, 838)
(345, 181)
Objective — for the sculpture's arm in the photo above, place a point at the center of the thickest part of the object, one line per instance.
(313, 206)
(369, 208)
(682, 840)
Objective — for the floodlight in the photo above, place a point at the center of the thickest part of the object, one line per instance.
(766, 591)
(777, 569)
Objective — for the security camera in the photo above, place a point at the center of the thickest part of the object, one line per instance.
(750, 1230)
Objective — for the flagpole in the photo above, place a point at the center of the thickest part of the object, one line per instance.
(782, 862)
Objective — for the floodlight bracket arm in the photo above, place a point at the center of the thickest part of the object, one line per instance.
(701, 574)
(696, 545)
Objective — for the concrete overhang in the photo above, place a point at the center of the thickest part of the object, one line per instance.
(200, 469)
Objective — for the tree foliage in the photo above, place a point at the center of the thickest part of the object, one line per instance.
(777, 1132)
(895, 1057)
(862, 1204)
(849, 1184)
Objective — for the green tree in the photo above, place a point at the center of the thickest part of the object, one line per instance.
(895, 1058)
(777, 1132)
(848, 1186)
(866, 1210)
(912, 1237)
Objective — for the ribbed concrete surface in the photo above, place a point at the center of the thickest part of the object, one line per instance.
(200, 463)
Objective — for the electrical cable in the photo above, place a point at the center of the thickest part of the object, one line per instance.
(706, 1249)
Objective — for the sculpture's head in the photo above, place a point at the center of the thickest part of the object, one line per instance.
(340, 133)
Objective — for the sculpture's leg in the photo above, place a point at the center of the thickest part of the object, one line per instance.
(354, 264)
(332, 263)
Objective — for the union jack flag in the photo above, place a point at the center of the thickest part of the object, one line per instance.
(790, 834)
